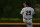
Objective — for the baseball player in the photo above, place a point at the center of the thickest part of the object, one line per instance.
(27, 13)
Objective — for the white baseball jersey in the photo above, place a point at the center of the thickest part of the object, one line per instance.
(27, 12)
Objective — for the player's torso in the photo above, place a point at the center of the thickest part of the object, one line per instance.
(27, 12)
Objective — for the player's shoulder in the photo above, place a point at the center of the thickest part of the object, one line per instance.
(28, 8)
(23, 8)
(31, 8)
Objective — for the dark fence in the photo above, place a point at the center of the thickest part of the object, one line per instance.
(12, 8)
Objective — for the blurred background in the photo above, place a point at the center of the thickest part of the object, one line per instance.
(10, 10)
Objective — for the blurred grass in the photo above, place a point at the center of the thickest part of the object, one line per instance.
(35, 20)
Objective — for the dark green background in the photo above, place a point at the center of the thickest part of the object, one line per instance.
(10, 10)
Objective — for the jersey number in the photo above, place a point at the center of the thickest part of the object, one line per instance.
(28, 12)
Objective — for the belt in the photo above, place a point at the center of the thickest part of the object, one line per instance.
(27, 19)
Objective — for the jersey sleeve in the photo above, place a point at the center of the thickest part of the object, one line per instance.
(33, 11)
(22, 11)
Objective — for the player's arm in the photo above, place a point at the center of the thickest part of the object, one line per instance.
(33, 12)
(22, 11)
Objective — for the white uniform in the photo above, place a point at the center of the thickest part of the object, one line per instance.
(27, 13)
